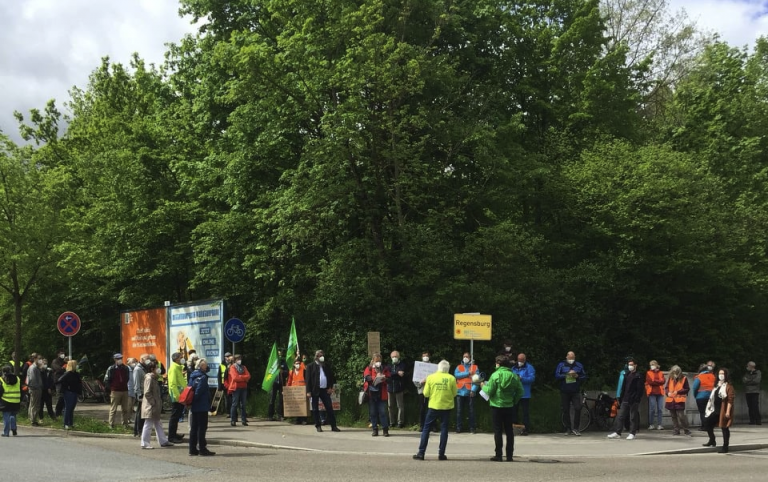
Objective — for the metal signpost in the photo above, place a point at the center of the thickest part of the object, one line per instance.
(471, 326)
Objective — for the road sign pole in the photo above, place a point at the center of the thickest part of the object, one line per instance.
(233, 348)
(70, 347)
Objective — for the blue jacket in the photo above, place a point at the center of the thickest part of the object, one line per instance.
(463, 392)
(700, 394)
(567, 385)
(202, 400)
(527, 376)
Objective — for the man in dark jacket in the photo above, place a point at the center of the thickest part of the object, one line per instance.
(320, 380)
(116, 383)
(396, 389)
(571, 375)
(276, 394)
(631, 395)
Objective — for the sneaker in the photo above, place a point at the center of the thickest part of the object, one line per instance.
(4, 435)
(614, 435)
(567, 432)
(576, 433)
(631, 436)
(148, 447)
(659, 427)
(651, 427)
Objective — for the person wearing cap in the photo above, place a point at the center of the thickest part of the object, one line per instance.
(116, 383)
(176, 383)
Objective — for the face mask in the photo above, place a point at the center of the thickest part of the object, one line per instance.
(395, 360)
(321, 359)
(520, 363)
(62, 356)
(425, 359)
(654, 367)
(721, 377)
(296, 366)
(570, 362)
(45, 365)
(377, 364)
(631, 367)
(158, 371)
(239, 362)
(466, 360)
(507, 348)
(133, 365)
(118, 362)
(710, 368)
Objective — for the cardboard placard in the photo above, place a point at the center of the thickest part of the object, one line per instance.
(422, 370)
(295, 402)
(374, 343)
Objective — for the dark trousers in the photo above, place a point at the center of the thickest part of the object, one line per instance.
(502, 422)
(197, 430)
(701, 404)
(568, 399)
(462, 403)
(629, 411)
(710, 423)
(177, 410)
(326, 398)
(377, 412)
(276, 395)
(525, 404)
(46, 401)
(138, 423)
(59, 403)
(753, 406)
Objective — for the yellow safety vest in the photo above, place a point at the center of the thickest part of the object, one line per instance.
(11, 393)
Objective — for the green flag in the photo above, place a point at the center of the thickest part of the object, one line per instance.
(273, 367)
(293, 345)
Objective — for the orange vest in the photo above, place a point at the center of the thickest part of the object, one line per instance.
(675, 386)
(706, 381)
(465, 382)
(651, 376)
(296, 379)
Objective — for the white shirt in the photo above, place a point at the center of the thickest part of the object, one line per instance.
(323, 380)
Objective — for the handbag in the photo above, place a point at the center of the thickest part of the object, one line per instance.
(362, 397)
(187, 396)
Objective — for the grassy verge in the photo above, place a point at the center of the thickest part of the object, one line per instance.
(82, 424)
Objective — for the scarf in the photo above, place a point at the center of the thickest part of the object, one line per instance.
(719, 392)
(240, 368)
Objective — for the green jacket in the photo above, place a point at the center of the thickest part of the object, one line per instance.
(441, 389)
(504, 388)
(176, 381)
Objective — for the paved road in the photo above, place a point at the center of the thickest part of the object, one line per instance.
(114, 460)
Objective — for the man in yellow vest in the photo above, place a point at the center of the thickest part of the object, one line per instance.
(440, 389)
(10, 400)
(466, 391)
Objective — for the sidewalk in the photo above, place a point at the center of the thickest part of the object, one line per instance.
(281, 435)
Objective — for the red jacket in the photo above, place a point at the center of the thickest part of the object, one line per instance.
(369, 375)
(237, 380)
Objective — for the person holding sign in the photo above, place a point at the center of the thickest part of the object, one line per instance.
(503, 390)
(421, 370)
(571, 375)
(296, 379)
(376, 375)
(466, 392)
(440, 389)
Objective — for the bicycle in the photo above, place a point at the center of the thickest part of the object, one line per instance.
(598, 412)
(93, 389)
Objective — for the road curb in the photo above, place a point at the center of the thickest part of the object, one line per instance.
(708, 450)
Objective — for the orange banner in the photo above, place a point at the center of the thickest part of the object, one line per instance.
(144, 331)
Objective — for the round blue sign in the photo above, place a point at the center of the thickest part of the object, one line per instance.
(234, 330)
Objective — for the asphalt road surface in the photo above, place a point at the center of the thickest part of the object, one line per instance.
(65, 459)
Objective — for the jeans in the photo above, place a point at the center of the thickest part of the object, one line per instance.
(753, 406)
(9, 422)
(177, 409)
(502, 422)
(377, 411)
(525, 403)
(396, 403)
(655, 407)
(238, 401)
(432, 415)
(701, 404)
(198, 428)
(326, 398)
(70, 402)
(568, 399)
(631, 410)
(461, 404)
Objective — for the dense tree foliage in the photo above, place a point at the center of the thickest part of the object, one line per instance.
(378, 165)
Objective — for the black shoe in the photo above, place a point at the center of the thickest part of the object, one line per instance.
(496, 458)
(418, 457)
(524, 432)
(723, 450)
(458, 430)
(207, 453)
(193, 454)
(400, 425)
(442, 457)
(711, 443)
(386, 432)
(245, 424)
(233, 423)
(509, 458)
(14, 432)
(319, 429)
(35, 424)
(375, 433)
(335, 429)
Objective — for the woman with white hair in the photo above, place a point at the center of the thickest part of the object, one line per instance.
(151, 408)
(440, 388)
(677, 392)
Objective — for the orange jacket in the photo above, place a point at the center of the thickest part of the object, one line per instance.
(296, 377)
(654, 382)
(237, 380)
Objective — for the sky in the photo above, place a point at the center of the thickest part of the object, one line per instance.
(48, 46)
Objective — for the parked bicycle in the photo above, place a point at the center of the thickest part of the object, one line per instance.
(93, 387)
(594, 410)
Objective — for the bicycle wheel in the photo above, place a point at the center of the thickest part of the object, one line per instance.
(585, 419)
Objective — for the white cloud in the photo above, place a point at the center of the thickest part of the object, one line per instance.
(51, 45)
(739, 22)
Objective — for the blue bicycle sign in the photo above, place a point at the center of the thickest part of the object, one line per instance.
(234, 329)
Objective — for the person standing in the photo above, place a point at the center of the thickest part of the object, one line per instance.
(631, 396)
(138, 385)
(296, 379)
(59, 367)
(151, 409)
(504, 391)
(201, 403)
(238, 386)
(751, 381)
(35, 389)
(527, 375)
(466, 391)
(677, 392)
(375, 376)
(176, 384)
(276, 393)
(396, 388)
(71, 389)
(703, 384)
(441, 389)
(654, 388)
(719, 411)
(571, 375)
(49, 390)
(116, 382)
(224, 382)
(320, 380)
(10, 400)
(131, 363)
(423, 401)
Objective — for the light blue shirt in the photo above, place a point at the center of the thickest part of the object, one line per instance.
(323, 380)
